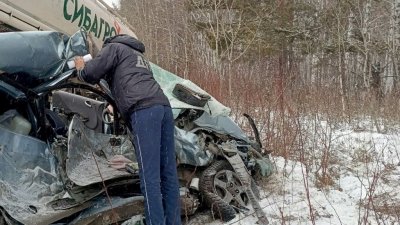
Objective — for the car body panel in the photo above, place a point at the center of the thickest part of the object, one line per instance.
(28, 180)
(88, 154)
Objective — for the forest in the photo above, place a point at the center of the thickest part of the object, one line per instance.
(338, 58)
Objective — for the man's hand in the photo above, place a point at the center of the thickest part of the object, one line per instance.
(110, 110)
(79, 63)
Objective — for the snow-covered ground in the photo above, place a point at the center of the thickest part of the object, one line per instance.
(361, 183)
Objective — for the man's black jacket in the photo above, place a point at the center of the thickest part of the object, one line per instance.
(122, 64)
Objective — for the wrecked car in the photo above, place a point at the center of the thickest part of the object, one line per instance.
(57, 137)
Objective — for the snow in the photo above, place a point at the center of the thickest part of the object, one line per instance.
(363, 170)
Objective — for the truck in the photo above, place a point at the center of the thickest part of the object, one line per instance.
(65, 16)
(55, 142)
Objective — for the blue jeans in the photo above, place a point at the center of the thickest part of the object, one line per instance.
(153, 138)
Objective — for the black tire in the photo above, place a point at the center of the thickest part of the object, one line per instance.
(219, 208)
(222, 201)
(189, 96)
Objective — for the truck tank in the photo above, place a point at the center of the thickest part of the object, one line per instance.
(66, 16)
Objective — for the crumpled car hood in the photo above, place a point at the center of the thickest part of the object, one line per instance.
(168, 80)
(41, 54)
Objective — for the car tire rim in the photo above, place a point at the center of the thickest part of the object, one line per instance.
(228, 186)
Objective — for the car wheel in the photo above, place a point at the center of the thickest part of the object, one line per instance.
(223, 191)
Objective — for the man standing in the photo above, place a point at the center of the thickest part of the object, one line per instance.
(139, 97)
